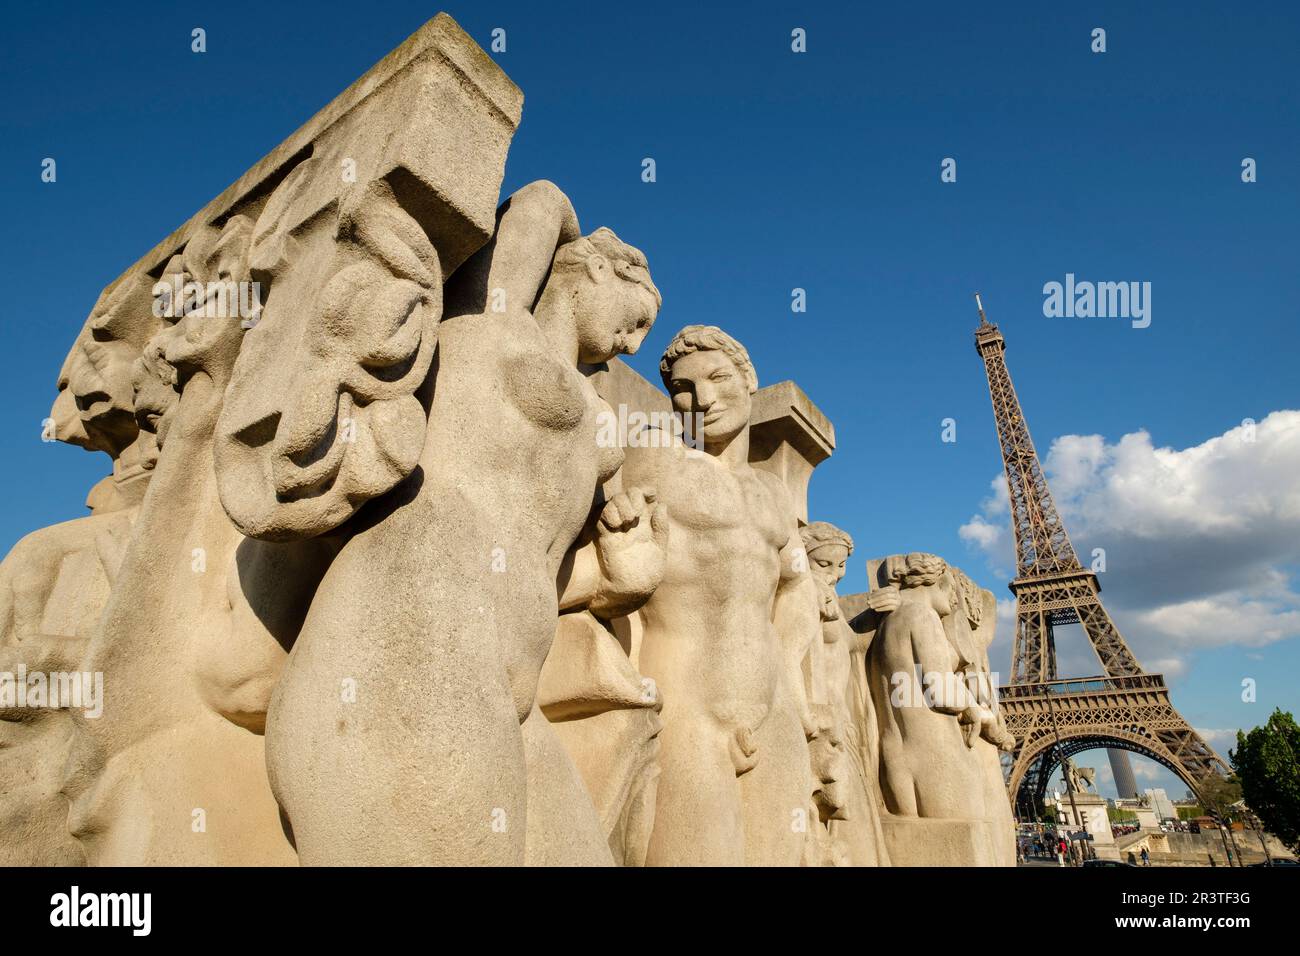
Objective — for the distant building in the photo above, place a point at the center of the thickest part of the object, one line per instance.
(1159, 801)
(1122, 770)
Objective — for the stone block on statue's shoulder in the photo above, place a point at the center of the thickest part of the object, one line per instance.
(789, 437)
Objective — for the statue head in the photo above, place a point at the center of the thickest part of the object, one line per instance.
(206, 337)
(970, 596)
(64, 412)
(974, 621)
(97, 372)
(201, 330)
(154, 383)
(709, 374)
(924, 577)
(606, 283)
(828, 549)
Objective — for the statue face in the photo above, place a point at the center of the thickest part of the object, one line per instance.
(708, 384)
(828, 563)
(67, 420)
(210, 343)
(154, 383)
(612, 315)
(941, 596)
(99, 380)
(198, 343)
(98, 371)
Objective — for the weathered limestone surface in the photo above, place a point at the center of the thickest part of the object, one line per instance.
(398, 563)
(854, 830)
(55, 582)
(725, 630)
(939, 735)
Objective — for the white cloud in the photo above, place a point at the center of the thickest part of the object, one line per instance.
(1199, 543)
(1148, 771)
(1221, 740)
(980, 532)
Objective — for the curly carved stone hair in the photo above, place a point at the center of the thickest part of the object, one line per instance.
(821, 533)
(918, 569)
(629, 262)
(707, 338)
(970, 597)
(347, 423)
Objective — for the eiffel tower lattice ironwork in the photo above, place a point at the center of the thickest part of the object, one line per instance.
(1053, 719)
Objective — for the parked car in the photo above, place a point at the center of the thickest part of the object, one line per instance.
(1105, 863)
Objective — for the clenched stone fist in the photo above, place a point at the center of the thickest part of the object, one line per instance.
(631, 546)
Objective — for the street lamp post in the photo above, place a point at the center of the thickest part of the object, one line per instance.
(1233, 838)
(1074, 807)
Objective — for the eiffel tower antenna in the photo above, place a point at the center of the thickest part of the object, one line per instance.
(1123, 709)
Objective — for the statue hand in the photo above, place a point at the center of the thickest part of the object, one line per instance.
(631, 546)
(971, 721)
(884, 600)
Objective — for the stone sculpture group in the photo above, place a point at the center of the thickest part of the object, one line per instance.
(372, 583)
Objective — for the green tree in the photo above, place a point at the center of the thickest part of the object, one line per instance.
(1267, 761)
(1220, 793)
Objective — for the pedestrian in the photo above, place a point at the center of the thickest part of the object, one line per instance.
(1146, 857)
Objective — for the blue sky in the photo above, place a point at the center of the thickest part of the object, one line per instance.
(821, 171)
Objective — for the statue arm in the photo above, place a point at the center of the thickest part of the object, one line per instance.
(932, 651)
(796, 614)
(579, 576)
(531, 225)
(619, 561)
(6, 598)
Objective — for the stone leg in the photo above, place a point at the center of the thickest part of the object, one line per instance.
(776, 793)
(564, 828)
(698, 816)
(426, 765)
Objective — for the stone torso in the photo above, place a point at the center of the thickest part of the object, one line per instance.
(506, 482)
(709, 637)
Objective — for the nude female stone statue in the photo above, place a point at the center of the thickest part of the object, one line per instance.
(404, 729)
(925, 765)
(979, 616)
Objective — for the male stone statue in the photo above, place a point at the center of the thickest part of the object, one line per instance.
(721, 628)
(55, 582)
(180, 778)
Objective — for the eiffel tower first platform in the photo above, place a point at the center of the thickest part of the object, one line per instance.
(1052, 719)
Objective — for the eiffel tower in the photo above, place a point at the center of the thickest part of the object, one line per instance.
(1124, 709)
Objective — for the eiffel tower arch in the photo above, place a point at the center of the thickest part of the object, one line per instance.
(1125, 708)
